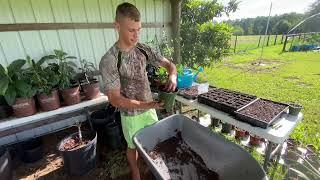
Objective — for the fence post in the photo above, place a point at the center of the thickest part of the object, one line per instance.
(292, 42)
(259, 41)
(282, 38)
(268, 40)
(235, 44)
(304, 37)
(275, 40)
(285, 44)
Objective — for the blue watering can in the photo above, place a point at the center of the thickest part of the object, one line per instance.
(185, 80)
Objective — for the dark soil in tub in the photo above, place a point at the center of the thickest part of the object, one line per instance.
(74, 143)
(180, 160)
(263, 110)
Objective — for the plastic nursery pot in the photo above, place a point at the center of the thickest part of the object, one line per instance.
(226, 128)
(79, 161)
(91, 90)
(112, 133)
(31, 151)
(6, 164)
(294, 109)
(168, 98)
(24, 107)
(214, 122)
(71, 95)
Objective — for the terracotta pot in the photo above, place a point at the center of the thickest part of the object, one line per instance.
(71, 96)
(24, 107)
(91, 90)
(49, 102)
(254, 140)
(240, 133)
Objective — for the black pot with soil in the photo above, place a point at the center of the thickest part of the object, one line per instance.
(5, 164)
(79, 156)
(31, 150)
(226, 128)
(215, 122)
(294, 109)
(113, 135)
(168, 98)
(5, 109)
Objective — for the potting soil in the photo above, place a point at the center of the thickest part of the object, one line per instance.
(74, 143)
(174, 158)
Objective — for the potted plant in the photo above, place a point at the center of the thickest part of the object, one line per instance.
(291, 151)
(70, 91)
(254, 140)
(226, 128)
(89, 84)
(17, 89)
(240, 133)
(79, 151)
(45, 80)
(167, 97)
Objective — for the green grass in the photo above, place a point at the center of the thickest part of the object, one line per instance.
(285, 77)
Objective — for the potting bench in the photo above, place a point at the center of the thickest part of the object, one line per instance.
(275, 134)
(13, 130)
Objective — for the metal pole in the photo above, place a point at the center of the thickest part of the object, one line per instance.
(265, 34)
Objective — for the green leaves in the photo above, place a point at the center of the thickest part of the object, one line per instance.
(10, 95)
(4, 82)
(16, 66)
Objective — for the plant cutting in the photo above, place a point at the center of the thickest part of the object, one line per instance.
(45, 81)
(79, 151)
(17, 89)
(165, 96)
(70, 91)
(89, 84)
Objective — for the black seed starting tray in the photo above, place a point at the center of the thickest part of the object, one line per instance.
(262, 112)
(189, 93)
(225, 100)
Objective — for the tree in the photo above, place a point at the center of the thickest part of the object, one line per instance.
(282, 26)
(312, 25)
(238, 31)
(202, 41)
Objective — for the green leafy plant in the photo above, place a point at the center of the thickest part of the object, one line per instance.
(162, 75)
(66, 67)
(44, 79)
(87, 69)
(14, 83)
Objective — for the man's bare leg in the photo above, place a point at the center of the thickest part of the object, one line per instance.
(132, 156)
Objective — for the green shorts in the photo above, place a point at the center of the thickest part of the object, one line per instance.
(132, 124)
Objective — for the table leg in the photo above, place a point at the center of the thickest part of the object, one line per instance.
(267, 155)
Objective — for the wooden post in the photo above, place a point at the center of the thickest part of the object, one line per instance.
(235, 44)
(304, 37)
(275, 40)
(292, 42)
(268, 40)
(176, 20)
(259, 41)
(285, 44)
(282, 38)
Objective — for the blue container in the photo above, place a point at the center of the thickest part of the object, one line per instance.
(295, 48)
(185, 80)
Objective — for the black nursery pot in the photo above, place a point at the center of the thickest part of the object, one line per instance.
(5, 164)
(31, 151)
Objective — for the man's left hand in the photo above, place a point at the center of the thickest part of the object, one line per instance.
(172, 83)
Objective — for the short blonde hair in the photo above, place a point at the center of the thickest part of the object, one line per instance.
(127, 10)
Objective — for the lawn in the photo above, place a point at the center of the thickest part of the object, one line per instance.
(251, 42)
(284, 77)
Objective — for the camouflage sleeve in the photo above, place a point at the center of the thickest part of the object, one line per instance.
(109, 72)
(154, 56)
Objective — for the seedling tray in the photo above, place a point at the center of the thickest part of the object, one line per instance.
(189, 93)
(225, 100)
(262, 112)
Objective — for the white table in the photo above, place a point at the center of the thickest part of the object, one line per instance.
(68, 116)
(283, 126)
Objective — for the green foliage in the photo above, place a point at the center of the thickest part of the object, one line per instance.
(162, 74)
(43, 79)
(202, 41)
(87, 69)
(13, 82)
(66, 68)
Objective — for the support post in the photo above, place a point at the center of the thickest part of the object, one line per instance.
(176, 20)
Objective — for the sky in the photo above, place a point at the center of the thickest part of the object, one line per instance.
(254, 8)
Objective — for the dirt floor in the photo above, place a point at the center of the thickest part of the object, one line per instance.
(111, 164)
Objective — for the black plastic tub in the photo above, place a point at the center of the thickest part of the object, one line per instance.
(259, 122)
(31, 150)
(5, 164)
(80, 161)
(113, 135)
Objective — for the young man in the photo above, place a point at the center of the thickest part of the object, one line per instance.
(124, 75)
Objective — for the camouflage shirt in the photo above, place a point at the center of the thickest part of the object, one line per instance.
(131, 78)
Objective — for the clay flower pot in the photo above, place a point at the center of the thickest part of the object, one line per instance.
(49, 102)
(240, 133)
(24, 107)
(71, 95)
(254, 140)
(91, 90)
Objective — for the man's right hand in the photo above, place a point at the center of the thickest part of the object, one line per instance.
(156, 105)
